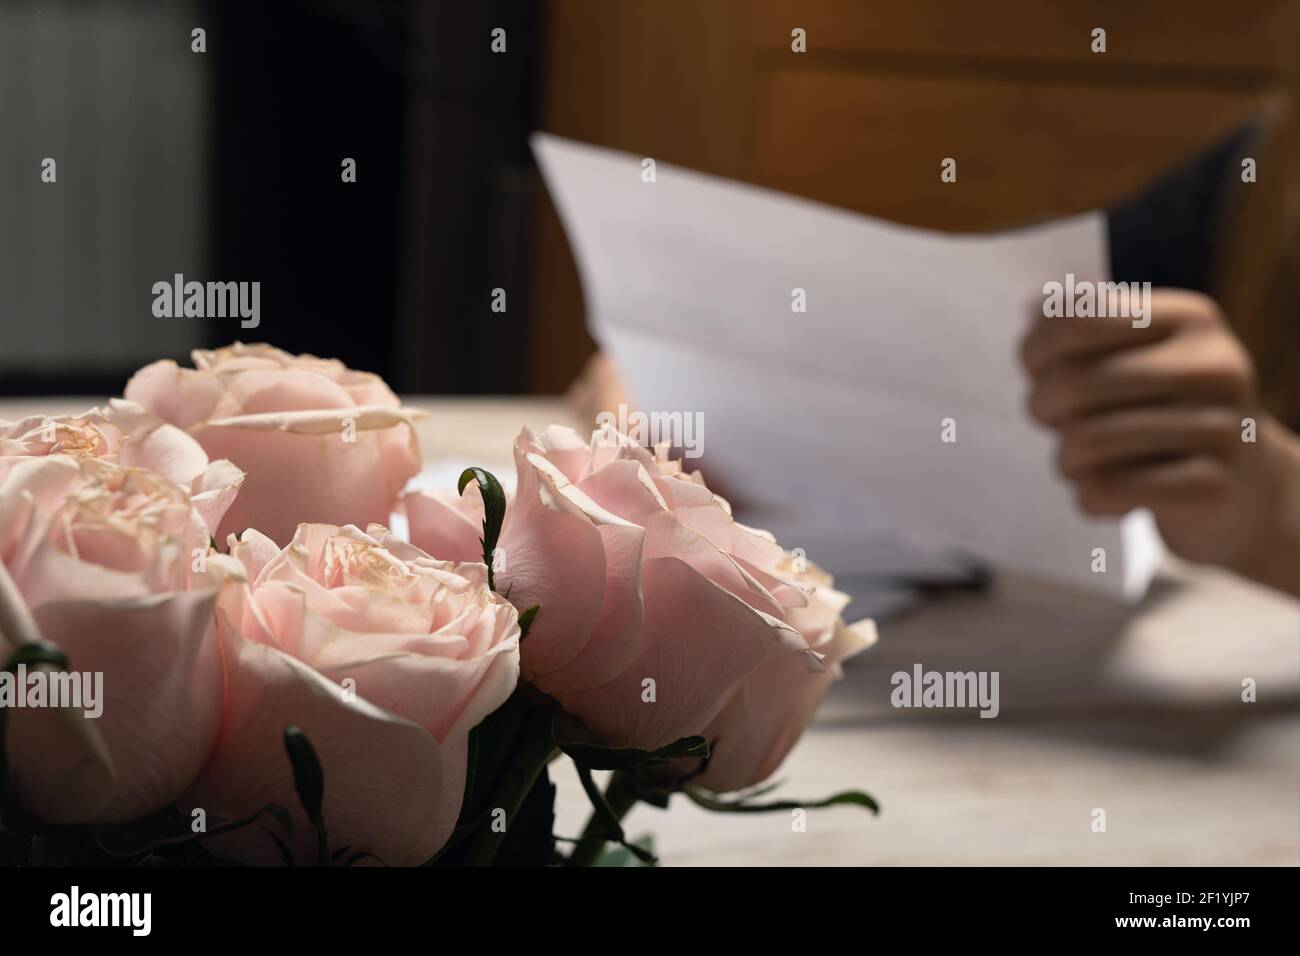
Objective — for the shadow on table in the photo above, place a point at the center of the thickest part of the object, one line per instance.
(1075, 666)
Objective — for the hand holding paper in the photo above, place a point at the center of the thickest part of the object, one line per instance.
(873, 364)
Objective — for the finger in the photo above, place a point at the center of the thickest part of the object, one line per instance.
(1134, 436)
(1184, 369)
(1052, 340)
(1156, 485)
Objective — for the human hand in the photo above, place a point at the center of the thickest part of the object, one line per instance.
(1160, 417)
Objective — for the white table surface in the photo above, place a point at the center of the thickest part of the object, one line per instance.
(1134, 710)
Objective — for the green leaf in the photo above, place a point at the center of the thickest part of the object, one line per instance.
(345, 857)
(506, 750)
(37, 652)
(32, 654)
(753, 793)
(573, 739)
(711, 802)
(360, 855)
(487, 752)
(494, 511)
(286, 854)
(597, 757)
(447, 856)
(529, 840)
(309, 781)
(654, 794)
(489, 748)
(161, 829)
(526, 619)
(308, 777)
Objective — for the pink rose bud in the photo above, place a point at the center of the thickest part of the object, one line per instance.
(319, 442)
(385, 658)
(114, 564)
(657, 608)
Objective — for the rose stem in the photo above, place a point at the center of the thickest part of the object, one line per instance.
(530, 753)
(621, 797)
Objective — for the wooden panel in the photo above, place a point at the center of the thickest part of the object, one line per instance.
(673, 79)
(558, 343)
(1024, 152)
(1039, 124)
(1249, 37)
(676, 80)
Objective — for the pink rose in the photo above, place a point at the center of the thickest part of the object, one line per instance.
(385, 658)
(655, 604)
(773, 705)
(445, 523)
(125, 434)
(114, 564)
(318, 441)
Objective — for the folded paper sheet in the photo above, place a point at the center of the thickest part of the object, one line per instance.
(829, 423)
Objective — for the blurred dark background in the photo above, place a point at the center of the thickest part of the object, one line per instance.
(438, 125)
(226, 165)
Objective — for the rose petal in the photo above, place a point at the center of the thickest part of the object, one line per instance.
(303, 477)
(254, 550)
(161, 690)
(149, 442)
(700, 640)
(555, 558)
(184, 397)
(389, 788)
(767, 715)
(445, 525)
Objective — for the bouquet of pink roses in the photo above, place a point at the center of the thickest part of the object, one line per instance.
(214, 648)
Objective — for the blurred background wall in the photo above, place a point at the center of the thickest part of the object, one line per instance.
(226, 165)
(1039, 124)
(112, 93)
